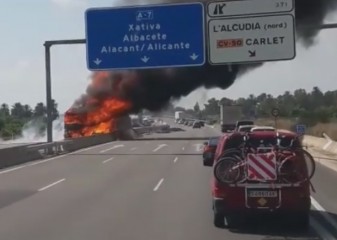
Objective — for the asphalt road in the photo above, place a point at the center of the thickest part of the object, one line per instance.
(140, 190)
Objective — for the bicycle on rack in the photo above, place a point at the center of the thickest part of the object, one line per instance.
(284, 164)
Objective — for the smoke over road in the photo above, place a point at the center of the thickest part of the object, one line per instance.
(154, 89)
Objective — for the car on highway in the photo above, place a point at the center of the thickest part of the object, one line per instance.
(209, 151)
(196, 124)
(261, 173)
(228, 127)
(243, 122)
(245, 128)
(263, 129)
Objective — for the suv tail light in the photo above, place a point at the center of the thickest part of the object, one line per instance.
(218, 189)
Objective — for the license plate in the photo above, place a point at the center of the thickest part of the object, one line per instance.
(264, 194)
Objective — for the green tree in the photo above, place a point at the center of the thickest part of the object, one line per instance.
(2, 124)
(226, 101)
(212, 107)
(196, 108)
(40, 110)
(316, 98)
(4, 110)
(28, 112)
(17, 111)
(179, 109)
(55, 112)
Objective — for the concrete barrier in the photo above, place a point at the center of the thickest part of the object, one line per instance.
(85, 142)
(22, 154)
(17, 155)
(324, 143)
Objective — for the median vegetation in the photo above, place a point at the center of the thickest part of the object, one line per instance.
(14, 118)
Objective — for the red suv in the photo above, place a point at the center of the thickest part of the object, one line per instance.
(261, 172)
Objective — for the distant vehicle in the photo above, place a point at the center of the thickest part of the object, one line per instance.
(243, 122)
(164, 128)
(225, 128)
(209, 151)
(196, 124)
(230, 114)
(245, 128)
(178, 115)
(137, 124)
(202, 123)
(146, 122)
(263, 129)
(261, 172)
(190, 123)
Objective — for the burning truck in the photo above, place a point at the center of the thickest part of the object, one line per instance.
(98, 112)
(120, 127)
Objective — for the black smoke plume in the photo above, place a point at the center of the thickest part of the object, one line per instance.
(153, 89)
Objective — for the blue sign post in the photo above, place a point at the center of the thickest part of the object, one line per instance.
(170, 35)
(300, 129)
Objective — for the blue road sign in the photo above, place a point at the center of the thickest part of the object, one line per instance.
(300, 129)
(170, 35)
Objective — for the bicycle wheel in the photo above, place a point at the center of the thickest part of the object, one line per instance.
(227, 170)
(310, 163)
(297, 168)
(233, 152)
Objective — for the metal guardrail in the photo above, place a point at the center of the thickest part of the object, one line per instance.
(50, 148)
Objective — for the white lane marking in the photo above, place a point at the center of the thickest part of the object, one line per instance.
(183, 148)
(114, 147)
(158, 185)
(323, 212)
(89, 148)
(47, 160)
(320, 229)
(108, 160)
(159, 147)
(51, 159)
(13, 169)
(175, 160)
(133, 149)
(52, 184)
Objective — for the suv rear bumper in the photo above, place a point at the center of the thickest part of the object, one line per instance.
(225, 207)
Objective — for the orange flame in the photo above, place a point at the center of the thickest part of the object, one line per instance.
(100, 115)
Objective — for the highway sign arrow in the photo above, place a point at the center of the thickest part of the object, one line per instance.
(194, 56)
(252, 53)
(98, 61)
(145, 59)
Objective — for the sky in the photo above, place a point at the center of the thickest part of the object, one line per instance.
(25, 25)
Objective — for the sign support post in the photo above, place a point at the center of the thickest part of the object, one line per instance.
(49, 101)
